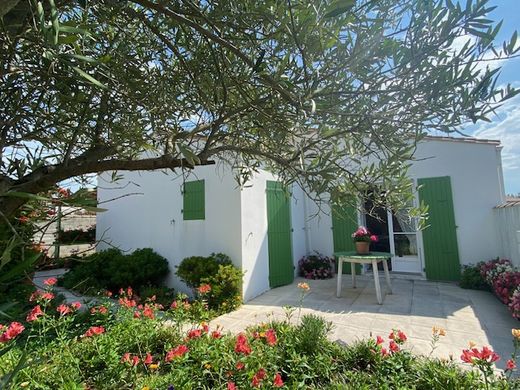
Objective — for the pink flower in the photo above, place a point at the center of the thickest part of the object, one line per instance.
(270, 337)
(148, 312)
(258, 378)
(231, 386)
(194, 333)
(241, 345)
(474, 356)
(393, 346)
(50, 281)
(34, 314)
(176, 352)
(63, 309)
(510, 365)
(204, 288)
(13, 330)
(148, 359)
(379, 340)
(373, 238)
(44, 295)
(75, 305)
(94, 330)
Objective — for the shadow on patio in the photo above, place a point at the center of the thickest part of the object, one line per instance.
(414, 307)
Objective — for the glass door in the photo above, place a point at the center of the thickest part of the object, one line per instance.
(404, 241)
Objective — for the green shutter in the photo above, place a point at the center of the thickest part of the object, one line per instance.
(281, 268)
(344, 223)
(194, 200)
(441, 255)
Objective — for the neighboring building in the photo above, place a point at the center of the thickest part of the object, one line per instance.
(266, 233)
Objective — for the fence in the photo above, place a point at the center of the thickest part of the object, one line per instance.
(508, 226)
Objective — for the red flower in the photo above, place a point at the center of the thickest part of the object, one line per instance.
(216, 334)
(100, 310)
(270, 337)
(148, 359)
(174, 305)
(38, 294)
(176, 352)
(75, 305)
(231, 386)
(379, 340)
(258, 378)
(148, 312)
(128, 303)
(393, 346)
(239, 365)
(373, 238)
(194, 333)
(241, 345)
(34, 314)
(278, 382)
(384, 352)
(50, 281)
(13, 330)
(204, 289)
(94, 330)
(510, 365)
(63, 309)
(23, 219)
(474, 356)
(137, 314)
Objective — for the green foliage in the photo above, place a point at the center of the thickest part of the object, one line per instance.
(193, 269)
(163, 295)
(471, 277)
(112, 270)
(313, 332)
(217, 270)
(77, 236)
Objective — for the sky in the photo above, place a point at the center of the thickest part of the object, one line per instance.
(505, 125)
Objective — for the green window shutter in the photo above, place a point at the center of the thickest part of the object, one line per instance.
(194, 200)
(344, 223)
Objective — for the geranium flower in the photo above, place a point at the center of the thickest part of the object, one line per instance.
(258, 378)
(13, 330)
(241, 345)
(176, 352)
(373, 238)
(34, 314)
(94, 330)
(278, 382)
(50, 281)
(63, 309)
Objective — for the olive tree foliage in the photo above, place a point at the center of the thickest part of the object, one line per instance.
(332, 95)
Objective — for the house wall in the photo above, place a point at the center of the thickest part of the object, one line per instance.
(152, 217)
(477, 187)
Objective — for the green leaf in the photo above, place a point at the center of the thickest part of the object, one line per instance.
(191, 157)
(25, 195)
(339, 7)
(89, 77)
(20, 268)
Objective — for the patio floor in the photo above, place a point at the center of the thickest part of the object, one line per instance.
(414, 307)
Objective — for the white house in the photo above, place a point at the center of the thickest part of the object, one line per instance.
(266, 233)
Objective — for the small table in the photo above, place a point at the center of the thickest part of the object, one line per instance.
(371, 258)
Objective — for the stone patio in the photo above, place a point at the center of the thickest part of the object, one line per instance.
(414, 307)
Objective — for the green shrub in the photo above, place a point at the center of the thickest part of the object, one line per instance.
(112, 270)
(163, 295)
(193, 269)
(313, 332)
(472, 278)
(218, 271)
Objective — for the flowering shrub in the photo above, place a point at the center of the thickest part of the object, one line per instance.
(362, 234)
(491, 269)
(514, 304)
(109, 347)
(316, 267)
(505, 284)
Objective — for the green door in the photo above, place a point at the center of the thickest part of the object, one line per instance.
(281, 268)
(344, 223)
(441, 254)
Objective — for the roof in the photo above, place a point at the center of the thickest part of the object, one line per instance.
(463, 139)
(511, 201)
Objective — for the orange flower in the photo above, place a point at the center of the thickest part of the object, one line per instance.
(204, 288)
(304, 286)
(438, 331)
(516, 333)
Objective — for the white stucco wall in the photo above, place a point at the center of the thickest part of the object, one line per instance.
(154, 218)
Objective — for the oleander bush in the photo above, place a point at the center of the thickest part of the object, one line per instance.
(316, 266)
(112, 270)
(141, 345)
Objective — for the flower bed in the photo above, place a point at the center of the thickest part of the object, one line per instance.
(130, 346)
(504, 281)
(316, 266)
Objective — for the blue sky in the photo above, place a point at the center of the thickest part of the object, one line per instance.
(505, 125)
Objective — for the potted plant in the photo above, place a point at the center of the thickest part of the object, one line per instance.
(362, 237)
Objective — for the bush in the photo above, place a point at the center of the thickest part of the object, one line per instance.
(77, 236)
(472, 278)
(193, 269)
(111, 270)
(316, 267)
(224, 279)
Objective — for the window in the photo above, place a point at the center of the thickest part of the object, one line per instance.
(194, 200)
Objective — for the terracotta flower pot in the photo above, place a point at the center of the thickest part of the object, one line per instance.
(362, 247)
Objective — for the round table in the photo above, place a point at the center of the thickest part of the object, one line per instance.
(371, 258)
